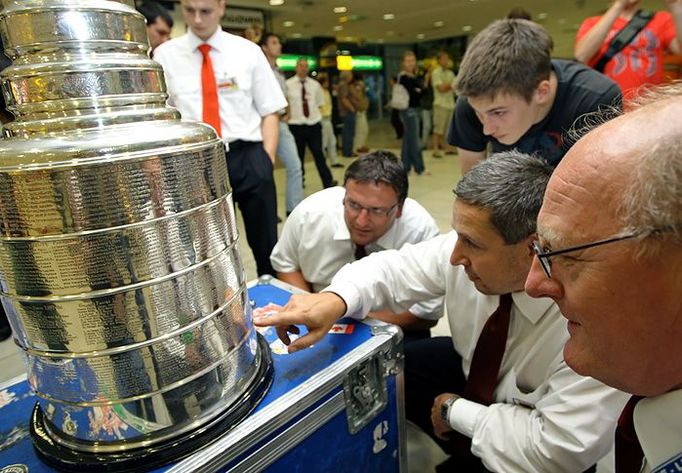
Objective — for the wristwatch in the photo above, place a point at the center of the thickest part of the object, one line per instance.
(445, 409)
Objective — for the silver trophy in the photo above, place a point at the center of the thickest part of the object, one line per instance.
(119, 263)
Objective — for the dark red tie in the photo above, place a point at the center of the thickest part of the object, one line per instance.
(306, 107)
(209, 91)
(485, 368)
(360, 252)
(629, 453)
(485, 364)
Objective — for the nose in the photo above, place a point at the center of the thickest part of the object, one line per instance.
(197, 17)
(457, 256)
(362, 218)
(539, 285)
(488, 126)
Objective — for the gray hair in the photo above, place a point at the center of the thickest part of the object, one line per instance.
(652, 201)
(510, 185)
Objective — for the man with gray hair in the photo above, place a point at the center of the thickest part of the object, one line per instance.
(498, 395)
(609, 252)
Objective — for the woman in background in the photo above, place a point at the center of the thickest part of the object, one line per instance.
(411, 151)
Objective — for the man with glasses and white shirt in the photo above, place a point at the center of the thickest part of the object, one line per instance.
(338, 225)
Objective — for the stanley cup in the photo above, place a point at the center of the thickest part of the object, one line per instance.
(119, 262)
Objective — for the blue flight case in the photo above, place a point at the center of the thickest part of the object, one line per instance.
(335, 407)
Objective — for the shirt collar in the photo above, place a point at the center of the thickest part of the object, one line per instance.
(213, 41)
(531, 308)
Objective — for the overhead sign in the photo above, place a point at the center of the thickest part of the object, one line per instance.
(359, 63)
(287, 62)
(242, 18)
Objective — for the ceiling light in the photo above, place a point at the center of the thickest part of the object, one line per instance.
(389, 16)
(338, 27)
(421, 36)
(276, 3)
(288, 24)
(438, 24)
(380, 40)
(542, 16)
(297, 35)
(467, 28)
(340, 9)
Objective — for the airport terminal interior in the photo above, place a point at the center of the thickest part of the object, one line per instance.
(364, 41)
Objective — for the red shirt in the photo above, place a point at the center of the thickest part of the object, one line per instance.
(641, 61)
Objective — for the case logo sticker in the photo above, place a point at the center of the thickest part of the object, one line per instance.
(342, 329)
(674, 465)
(379, 442)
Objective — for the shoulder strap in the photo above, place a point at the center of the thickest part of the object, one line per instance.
(625, 36)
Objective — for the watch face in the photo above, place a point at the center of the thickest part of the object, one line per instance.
(445, 410)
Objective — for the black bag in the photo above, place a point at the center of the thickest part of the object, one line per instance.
(640, 19)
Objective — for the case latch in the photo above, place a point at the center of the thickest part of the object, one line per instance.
(365, 392)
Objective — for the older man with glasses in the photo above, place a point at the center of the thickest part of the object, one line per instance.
(496, 395)
(339, 225)
(610, 255)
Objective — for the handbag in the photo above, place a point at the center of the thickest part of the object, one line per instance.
(400, 97)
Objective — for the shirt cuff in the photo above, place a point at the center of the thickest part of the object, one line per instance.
(464, 416)
(350, 296)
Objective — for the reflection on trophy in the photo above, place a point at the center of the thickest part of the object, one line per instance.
(119, 262)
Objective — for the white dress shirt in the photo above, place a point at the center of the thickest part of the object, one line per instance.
(658, 423)
(247, 89)
(313, 92)
(546, 418)
(315, 240)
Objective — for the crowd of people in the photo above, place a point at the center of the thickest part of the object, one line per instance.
(568, 214)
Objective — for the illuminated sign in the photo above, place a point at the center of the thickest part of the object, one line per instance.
(359, 63)
(287, 62)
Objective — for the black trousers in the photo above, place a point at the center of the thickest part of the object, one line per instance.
(253, 190)
(433, 367)
(311, 136)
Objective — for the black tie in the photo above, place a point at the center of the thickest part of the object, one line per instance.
(306, 108)
(360, 252)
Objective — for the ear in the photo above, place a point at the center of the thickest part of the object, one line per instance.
(529, 244)
(542, 92)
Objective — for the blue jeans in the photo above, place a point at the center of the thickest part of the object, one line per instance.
(348, 134)
(286, 150)
(411, 151)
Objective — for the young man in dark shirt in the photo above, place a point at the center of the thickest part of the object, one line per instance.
(514, 96)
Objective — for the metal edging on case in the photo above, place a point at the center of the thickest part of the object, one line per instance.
(291, 437)
(278, 413)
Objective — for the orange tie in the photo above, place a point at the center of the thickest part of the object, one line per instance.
(209, 91)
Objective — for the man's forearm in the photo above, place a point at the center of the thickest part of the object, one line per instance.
(295, 278)
(405, 320)
(593, 40)
(270, 131)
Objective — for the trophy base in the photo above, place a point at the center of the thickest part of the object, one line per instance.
(145, 459)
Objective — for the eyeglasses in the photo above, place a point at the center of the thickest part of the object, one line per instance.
(544, 255)
(355, 209)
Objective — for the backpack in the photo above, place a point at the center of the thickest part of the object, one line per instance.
(400, 97)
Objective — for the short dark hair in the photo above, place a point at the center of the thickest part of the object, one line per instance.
(266, 36)
(380, 166)
(508, 56)
(153, 10)
(511, 186)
